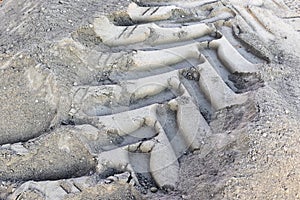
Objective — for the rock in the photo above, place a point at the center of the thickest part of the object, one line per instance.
(153, 189)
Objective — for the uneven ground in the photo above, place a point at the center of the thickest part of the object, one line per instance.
(254, 148)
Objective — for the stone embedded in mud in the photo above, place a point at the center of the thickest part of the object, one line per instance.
(153, 189)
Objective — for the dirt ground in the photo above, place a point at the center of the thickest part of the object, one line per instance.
(257, 150)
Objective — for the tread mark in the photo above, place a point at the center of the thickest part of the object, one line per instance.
(210, 2)
(124, 30)
(258, 20)
(77, 187)
(107, 59)
(132, 30)
(19, 195)
(65, 189)
(275, 2)
(146, 11)
(100, 56)
(155, 11)
(292, 17)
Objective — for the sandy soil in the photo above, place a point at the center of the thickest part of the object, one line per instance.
(254, 152)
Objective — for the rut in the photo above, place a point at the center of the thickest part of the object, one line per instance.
(161, 73)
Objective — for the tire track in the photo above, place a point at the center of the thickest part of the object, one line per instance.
(111, 122)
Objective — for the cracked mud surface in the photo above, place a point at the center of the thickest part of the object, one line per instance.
(149, 100)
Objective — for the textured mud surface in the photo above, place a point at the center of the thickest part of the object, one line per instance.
(149, 99)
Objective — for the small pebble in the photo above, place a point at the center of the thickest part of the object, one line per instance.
(153, 189)
(112, 178)
(107, 181)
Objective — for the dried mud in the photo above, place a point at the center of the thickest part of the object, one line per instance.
(160, 111)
